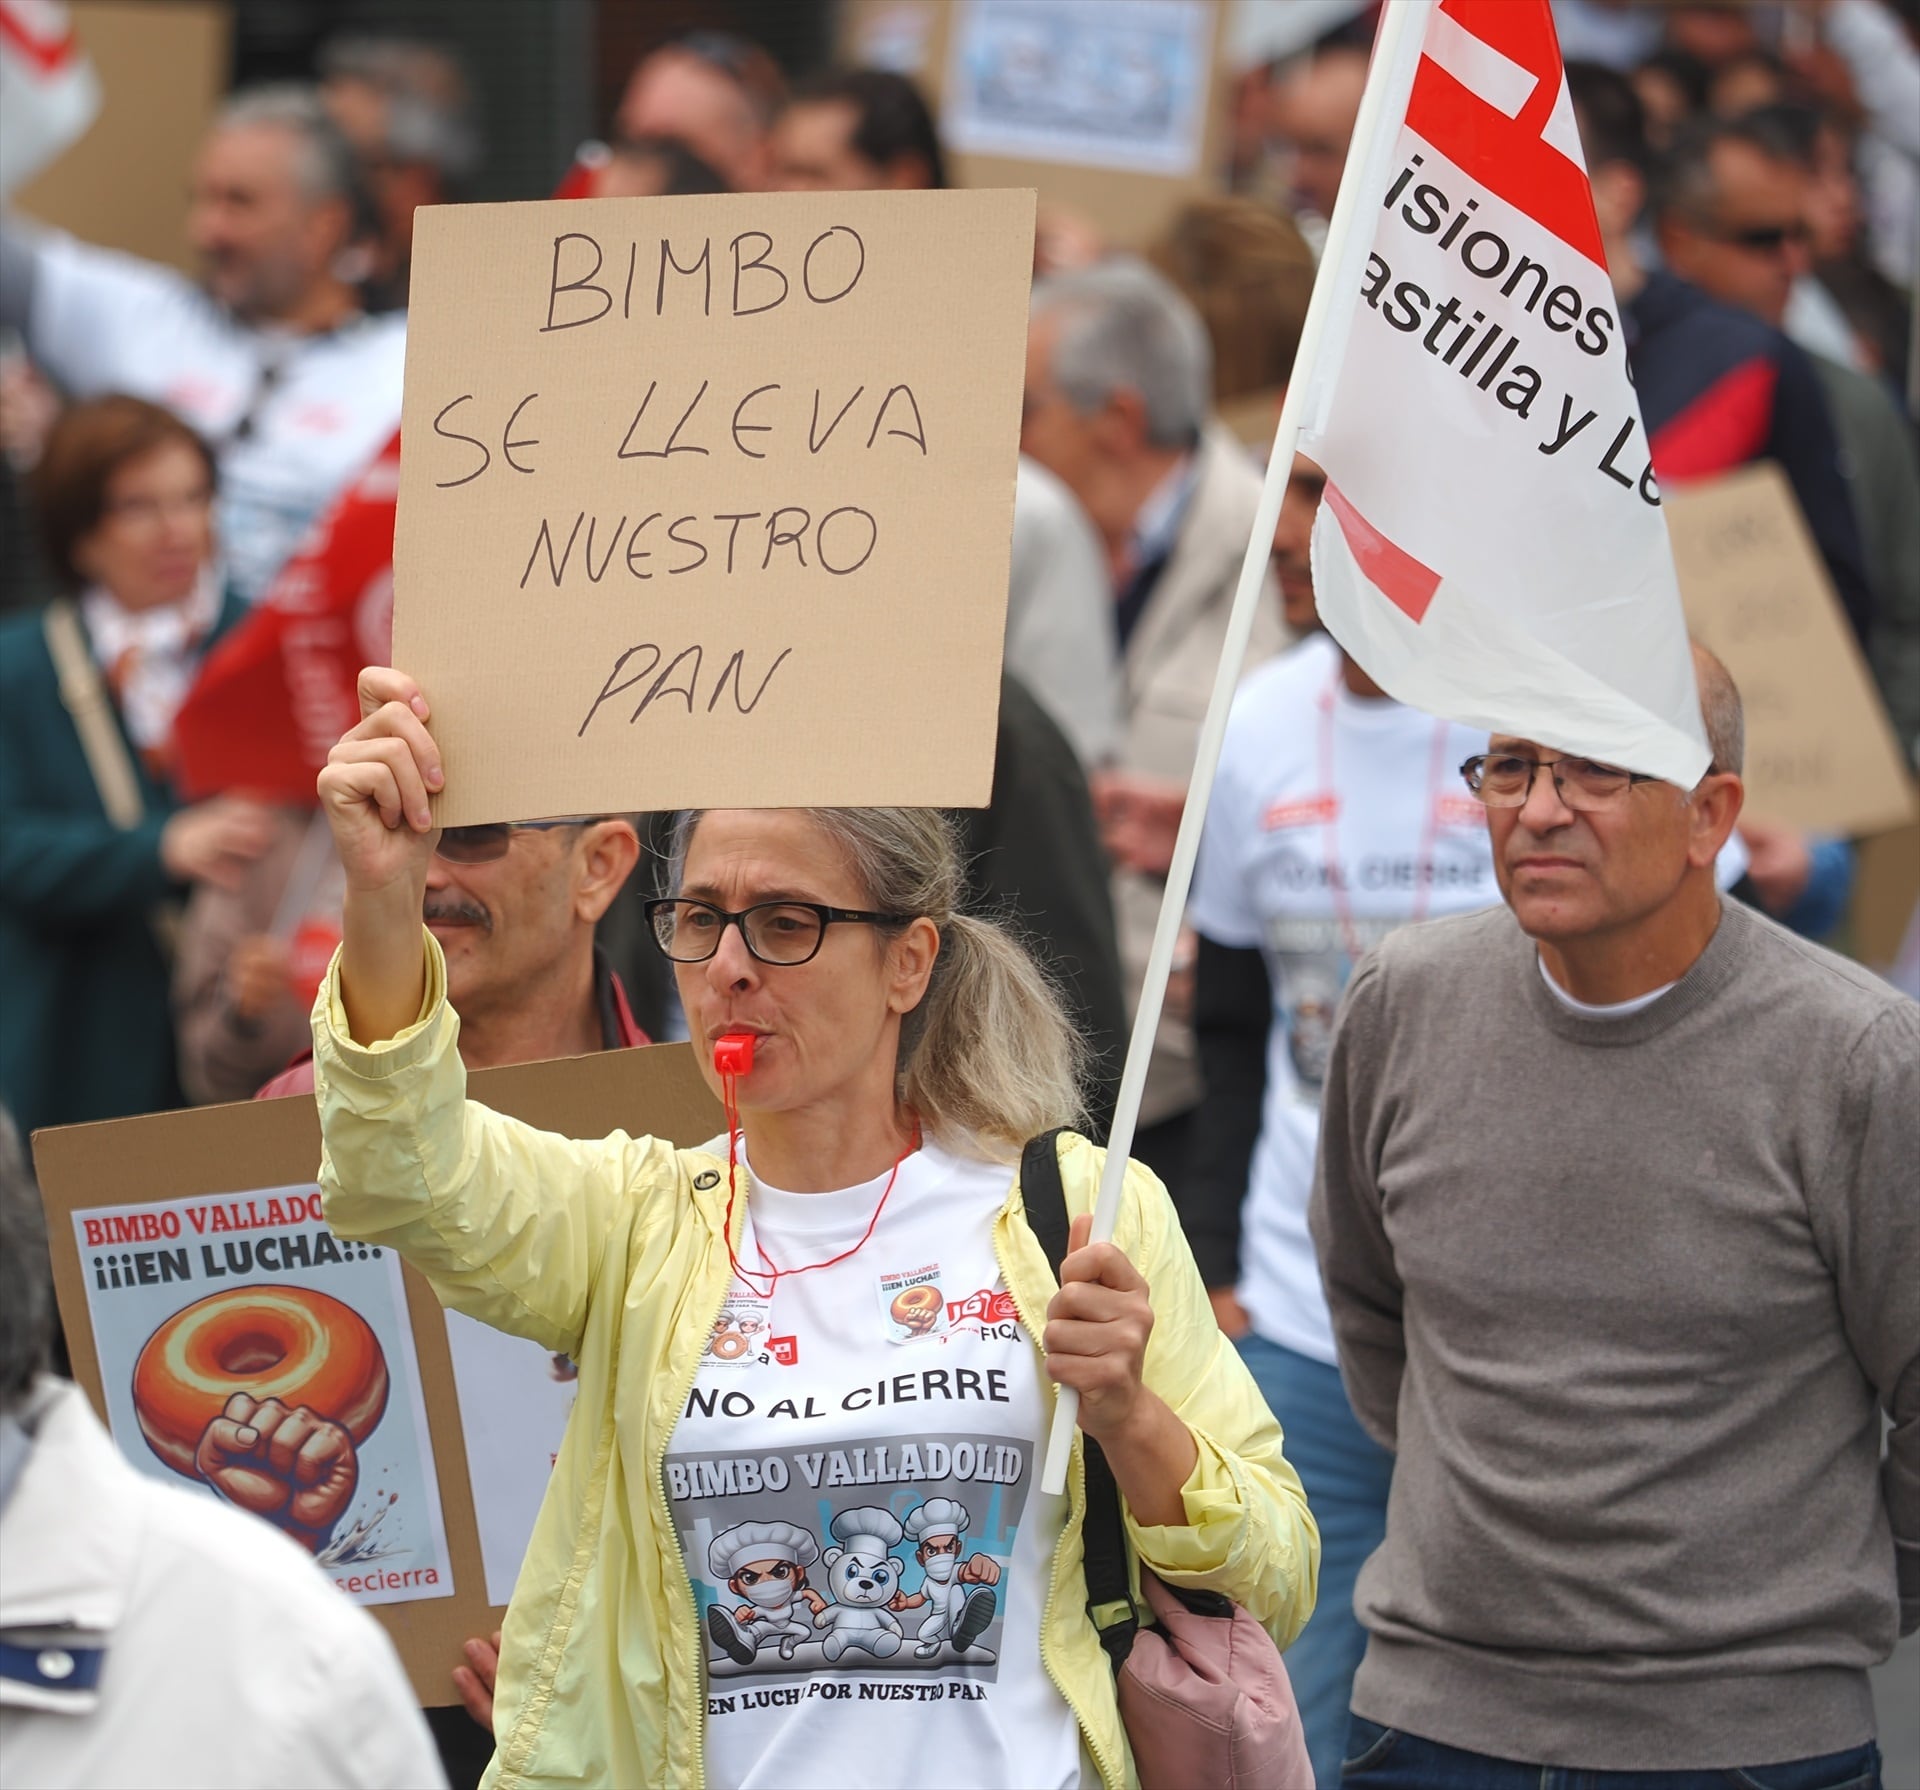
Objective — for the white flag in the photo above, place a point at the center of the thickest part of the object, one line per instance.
(49, 94)
(1491, 546)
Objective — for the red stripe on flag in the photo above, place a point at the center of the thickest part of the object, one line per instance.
(49, 55)
(1399, 577)
(1726, 426)
(1509, 156)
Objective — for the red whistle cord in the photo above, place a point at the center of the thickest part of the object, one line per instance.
(733, 1057)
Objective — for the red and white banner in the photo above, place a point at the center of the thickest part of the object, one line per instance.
(278, 691)
(49, 94)
(1491, 546)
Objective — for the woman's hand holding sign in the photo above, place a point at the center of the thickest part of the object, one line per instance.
(375, 792)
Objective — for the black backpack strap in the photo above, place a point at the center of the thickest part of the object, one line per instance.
(1045, 1195)
(1110, 1604)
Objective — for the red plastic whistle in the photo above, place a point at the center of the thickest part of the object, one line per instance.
(733, 1053)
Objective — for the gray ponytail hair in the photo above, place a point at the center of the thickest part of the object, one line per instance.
(989, 1053)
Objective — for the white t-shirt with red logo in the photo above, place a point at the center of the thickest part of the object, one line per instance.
(854, 1484)
(316, 408)
(1334, 819)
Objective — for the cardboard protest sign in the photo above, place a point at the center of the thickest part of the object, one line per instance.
(1821, 753)
(1886, 894)
(192, 1263)
(192, 1300)
(515, 1400)
(709, 501)
(1029, 93)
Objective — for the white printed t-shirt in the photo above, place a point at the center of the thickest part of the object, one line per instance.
(1334, 819)
(320, 406)
(854, 1484)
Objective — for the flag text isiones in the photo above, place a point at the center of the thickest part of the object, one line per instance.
(1492, 547)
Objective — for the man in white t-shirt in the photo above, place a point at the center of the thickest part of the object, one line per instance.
(272, 359)
(1337, 815)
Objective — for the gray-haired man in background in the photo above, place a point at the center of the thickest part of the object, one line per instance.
(1118, 405)
(272, 358)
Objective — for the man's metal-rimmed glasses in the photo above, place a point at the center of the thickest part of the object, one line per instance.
(777, 932)
(491, 841)
(1505, 780)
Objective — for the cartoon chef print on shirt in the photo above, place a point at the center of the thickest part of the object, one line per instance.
(962, 1606)
(765, 1564)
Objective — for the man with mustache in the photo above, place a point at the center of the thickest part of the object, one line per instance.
(514, 908)
(1615, 1216)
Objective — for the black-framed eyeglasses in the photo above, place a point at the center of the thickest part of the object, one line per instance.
(1505, 780)
(777, 932)
(488, 843)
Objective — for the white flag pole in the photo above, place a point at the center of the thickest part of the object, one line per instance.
(1383, 104)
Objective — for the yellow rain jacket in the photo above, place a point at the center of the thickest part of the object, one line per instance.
(613, 1254)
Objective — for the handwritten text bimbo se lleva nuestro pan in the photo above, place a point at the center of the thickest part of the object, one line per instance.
(758, 427)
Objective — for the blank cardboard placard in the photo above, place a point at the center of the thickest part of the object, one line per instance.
(162, 66)
(1821, 753)
(1129, 206)
(709, 501)
(239, 1151)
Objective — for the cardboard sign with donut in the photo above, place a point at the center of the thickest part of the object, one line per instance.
(234, 1346)
(247, 1352)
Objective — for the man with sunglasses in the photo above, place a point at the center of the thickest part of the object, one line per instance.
(1718, 388)
(1615, 1215)
(1736, 227)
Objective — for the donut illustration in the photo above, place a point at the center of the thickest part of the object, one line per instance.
(289, 1343)
(916, 1309)
(728, 1345)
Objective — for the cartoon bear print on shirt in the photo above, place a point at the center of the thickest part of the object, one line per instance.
(864, 1578)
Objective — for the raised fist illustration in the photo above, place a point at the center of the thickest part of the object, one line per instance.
(979, 1569)
(285, 1463)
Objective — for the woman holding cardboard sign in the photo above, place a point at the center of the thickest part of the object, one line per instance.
(795, 1533)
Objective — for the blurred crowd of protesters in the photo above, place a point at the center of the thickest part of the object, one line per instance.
(1758, 195)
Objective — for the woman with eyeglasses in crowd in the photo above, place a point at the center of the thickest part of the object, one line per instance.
(795, 1533)
(94, 850)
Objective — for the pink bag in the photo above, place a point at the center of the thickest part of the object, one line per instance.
(1206, 1701)
(1203, 1694)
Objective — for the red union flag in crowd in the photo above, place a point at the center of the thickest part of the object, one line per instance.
(275, 694)
(1491, 546)
(48, 91)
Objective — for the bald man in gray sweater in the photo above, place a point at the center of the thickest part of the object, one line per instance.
(1617, 1216)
